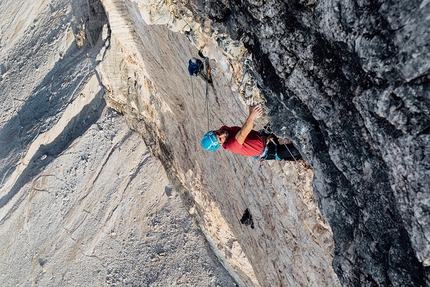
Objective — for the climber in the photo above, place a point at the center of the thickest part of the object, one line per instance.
(195, 66)
(247, 219)
(248, 142)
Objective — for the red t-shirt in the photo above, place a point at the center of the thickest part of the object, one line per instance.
(253, 145)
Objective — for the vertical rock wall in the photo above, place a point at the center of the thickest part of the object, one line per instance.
(291, 243)
(82, 200)
(349, 84)
(346, 81)
(168, 108)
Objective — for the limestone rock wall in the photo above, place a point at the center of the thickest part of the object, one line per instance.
(84, 200)
(348, 82)
(169, 109)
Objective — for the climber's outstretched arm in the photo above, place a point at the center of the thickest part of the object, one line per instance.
(254, 112)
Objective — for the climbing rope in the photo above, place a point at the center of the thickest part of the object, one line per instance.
(291, 153)
(248, 70)
(206, 100)
(241, 82)
(246, 182)
(207, 103)
(192, 91)
(239, 105)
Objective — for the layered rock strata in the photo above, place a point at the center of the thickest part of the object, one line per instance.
(346, 81)
(82, 200)
(85, 201)
(349, 83)
(165, 105)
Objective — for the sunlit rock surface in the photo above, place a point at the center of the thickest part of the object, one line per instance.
(103, 179)
(83, 202)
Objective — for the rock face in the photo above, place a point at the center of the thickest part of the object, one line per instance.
(82, 200)
(349, 83)
(154, 91)
(85, 201)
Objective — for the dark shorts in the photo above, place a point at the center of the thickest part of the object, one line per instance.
(285, 152)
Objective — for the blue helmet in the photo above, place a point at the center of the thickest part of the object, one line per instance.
(210, 142)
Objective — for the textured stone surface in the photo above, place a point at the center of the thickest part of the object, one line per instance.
(349, 84)
(82, 200)
(170, 112)
(346, 81)
(87, 202)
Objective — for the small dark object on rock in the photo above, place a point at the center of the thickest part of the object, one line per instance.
(247, 219)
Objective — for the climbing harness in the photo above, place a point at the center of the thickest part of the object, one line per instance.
(267, 138)
(270, 151)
